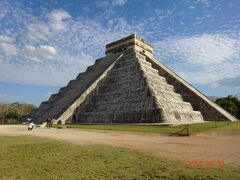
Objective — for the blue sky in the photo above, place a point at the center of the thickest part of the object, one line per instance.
(44, 44)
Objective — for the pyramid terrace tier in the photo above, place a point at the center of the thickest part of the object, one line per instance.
(127, 116)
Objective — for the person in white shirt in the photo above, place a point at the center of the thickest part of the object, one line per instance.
(30, 126)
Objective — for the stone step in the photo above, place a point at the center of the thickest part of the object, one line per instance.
(131, 76)
(120, 97)
(114, 107)
(108, 112)
(124, 93)
(127, 102)
(80, 75)
(129, 56)
(160, 85)
(149, 69)
(133, 53)
(62, 89)
(182, 115)
(89, 68)
(167, 95)
(122, 82)
(125, 75)
(120, 70)
(125, 69)
(183, 111)
(123, 60)
(154, 76)
(71, 83)
(126, 116)
(55, 97)
(127, 62)
(155, 81)
(124, 86)
(173, 104)
(140, 56)
(145, 63)
(132, 61)
(133, 91)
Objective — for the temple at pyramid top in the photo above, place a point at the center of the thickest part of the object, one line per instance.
(131, 42)
(129, 85)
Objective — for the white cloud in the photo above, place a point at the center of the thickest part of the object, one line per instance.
(38, 30)
(65, 52)
(206, 58)
(42, 52)
(77, 41)
(191, 7)
(41, 30)
(6, 39)
(48, 73)
(204, 49)
(102, 3)
(118, 2)
(8, 49)
(56, 18)
(34, 75)
(204, 2)
(7, 46)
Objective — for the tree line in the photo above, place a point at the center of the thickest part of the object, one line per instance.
(12, 113)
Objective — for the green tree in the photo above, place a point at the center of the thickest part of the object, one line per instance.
(13, 114)
(230, 104)
(14, 111)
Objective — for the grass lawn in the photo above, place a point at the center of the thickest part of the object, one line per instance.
(36, 158)
(163, 129)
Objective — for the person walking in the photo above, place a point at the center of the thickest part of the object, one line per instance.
(49, 121)
(30, 126)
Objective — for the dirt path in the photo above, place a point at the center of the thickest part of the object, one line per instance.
(204, 147)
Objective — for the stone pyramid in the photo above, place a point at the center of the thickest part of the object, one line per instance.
(129, 86)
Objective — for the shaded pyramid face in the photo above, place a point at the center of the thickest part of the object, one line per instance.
(58, 104)
(134, 92)
(129, 86)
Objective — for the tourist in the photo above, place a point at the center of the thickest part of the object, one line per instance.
(49, 119)
(30, 126)
(51, 122)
